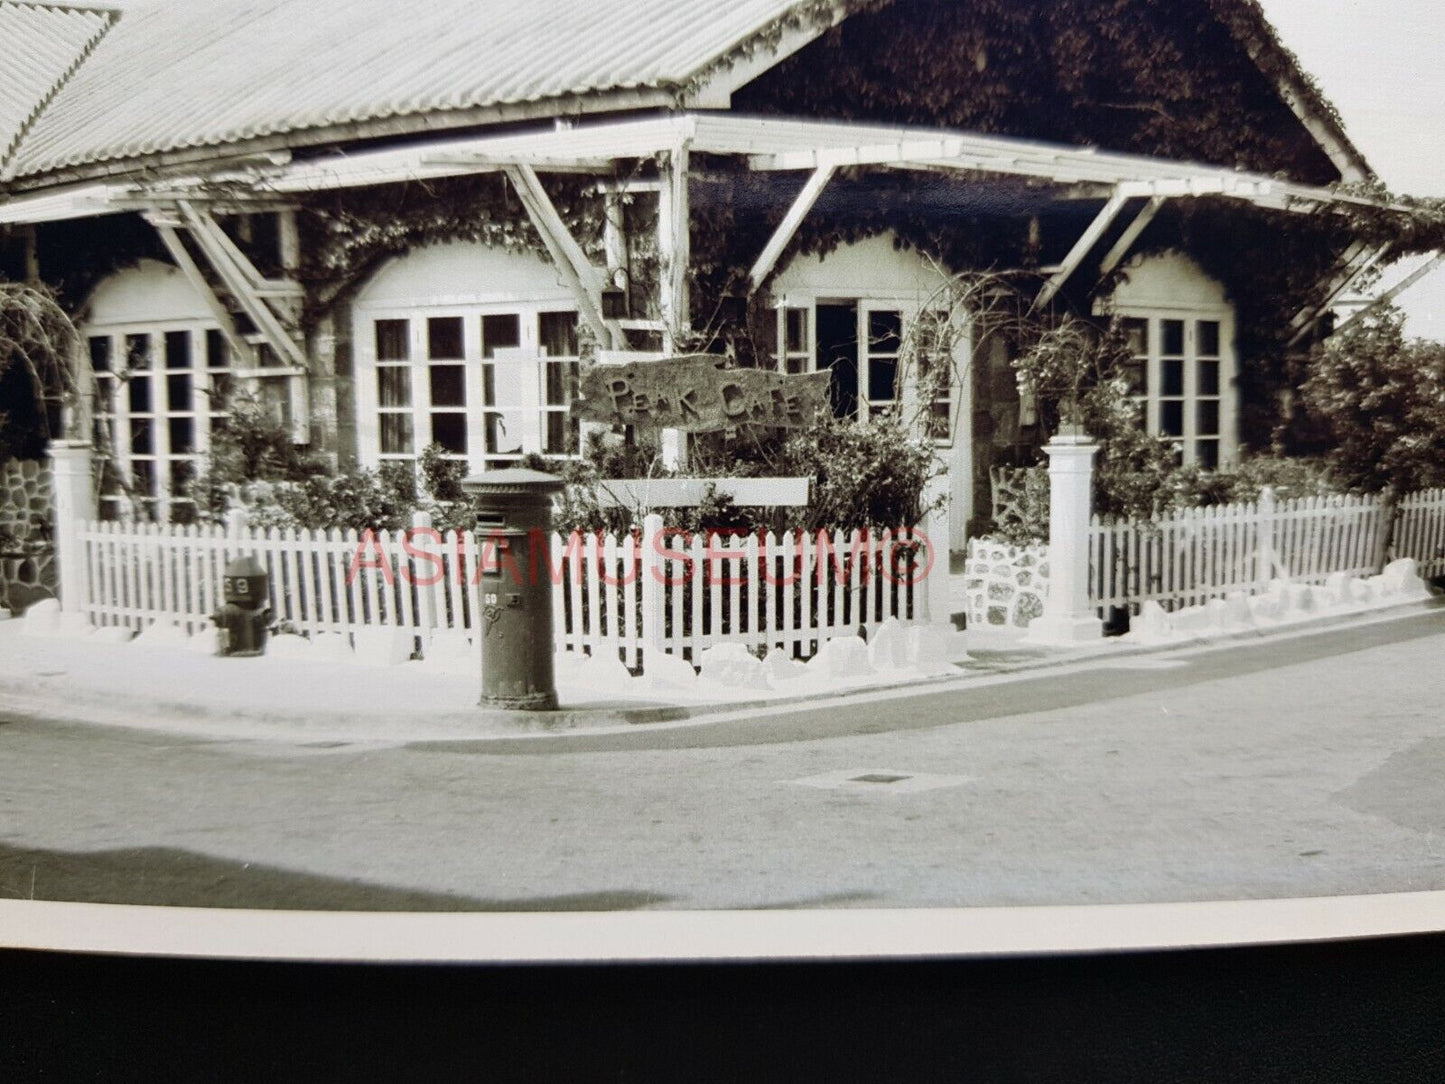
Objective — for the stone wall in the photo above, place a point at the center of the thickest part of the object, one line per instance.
(27, 555)
(1005, 584)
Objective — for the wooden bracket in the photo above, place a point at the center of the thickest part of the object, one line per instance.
(1081, 249)
(788, 227)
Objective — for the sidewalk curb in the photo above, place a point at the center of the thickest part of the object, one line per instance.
(35, 698)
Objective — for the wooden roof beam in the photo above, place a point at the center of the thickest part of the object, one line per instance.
(1393, 292)
(788, 227)
(1082, 247)
(1131, 233)
(567, 255)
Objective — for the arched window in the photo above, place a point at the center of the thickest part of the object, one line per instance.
(163, 376)
(471, 348)
(1181, 329)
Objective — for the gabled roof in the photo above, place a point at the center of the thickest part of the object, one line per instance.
(183, 74)
(43, 45)
(178, 80)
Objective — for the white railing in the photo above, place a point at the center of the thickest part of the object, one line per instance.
(1420, 531)
(648, 590)
(1190, 556)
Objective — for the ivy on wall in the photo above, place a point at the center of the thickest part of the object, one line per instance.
(1162, 77)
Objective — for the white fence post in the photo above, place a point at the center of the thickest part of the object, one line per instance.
(1069, 616)
(652, 571)
(73, 493)
(937, 598)
(1265, 559)
(236, 523)
(423, 541)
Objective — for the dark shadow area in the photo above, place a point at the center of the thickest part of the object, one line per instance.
(170, 877)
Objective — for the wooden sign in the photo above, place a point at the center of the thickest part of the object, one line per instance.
(693, 394)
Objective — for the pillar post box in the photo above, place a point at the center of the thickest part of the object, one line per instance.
(514, 626)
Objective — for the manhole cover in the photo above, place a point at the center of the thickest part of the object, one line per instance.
(880, 781)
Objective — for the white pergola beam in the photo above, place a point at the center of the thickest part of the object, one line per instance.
(674, 242)
(238, 276)
(1393, 292)
(182, 259)
(567, 255)
(1082, 247)
(788, 227)
(1115, 255)
(1358, 261)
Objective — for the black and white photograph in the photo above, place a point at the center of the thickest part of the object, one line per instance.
(665, 480)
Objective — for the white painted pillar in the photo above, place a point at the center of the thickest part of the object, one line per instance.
(1068, 616)
(937, 598)
(1264, 557)
(73, 495)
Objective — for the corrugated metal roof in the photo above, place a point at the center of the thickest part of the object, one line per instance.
(43, 44)
(177, 74)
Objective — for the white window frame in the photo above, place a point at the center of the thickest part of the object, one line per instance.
(1226, 395)
(201, 410)
(788, 358)
(529, 351)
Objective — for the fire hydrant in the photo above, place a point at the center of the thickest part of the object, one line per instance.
(243, 620)
(514, 521)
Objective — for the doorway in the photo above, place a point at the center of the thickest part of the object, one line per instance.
(837, 325)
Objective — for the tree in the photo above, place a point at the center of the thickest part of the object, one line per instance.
(1380, 400)
(39, 350)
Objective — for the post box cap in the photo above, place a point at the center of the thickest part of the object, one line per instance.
(244, 566)
(514, 481)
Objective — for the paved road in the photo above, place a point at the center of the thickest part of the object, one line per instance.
(1303, 766)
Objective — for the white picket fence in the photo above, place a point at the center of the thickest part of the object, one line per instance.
(1196, 554)
(649, 590)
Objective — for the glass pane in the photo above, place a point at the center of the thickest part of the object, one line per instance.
(885, 332)
(140, 437)
(105, 396)
(182, 432)
(100, 353)
(138, 351)
(938, 421)
(396, 434)
(1136, 374)
(220, 390)
(391, 340)
(1207, 453)
(450, 431)
(560, 382)
(178, 349)
(444, 338)
(1209, 338)
(178, 391)
(1171, 376)
(448, 385)
(882, 379)
(218, 354)
(489, 385)
(797, 329)
(562, 434)
(1171, 418)
(1172, 333)
(1209, 378)
(1136, 334)
(393, 386)
(1206, 421)
(182, 472)
(140, 394)
(500, 332)
(797, 365)
(557, 332)
(143, 477)
(504, 432)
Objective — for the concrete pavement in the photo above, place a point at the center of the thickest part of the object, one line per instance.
(1299, 766)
